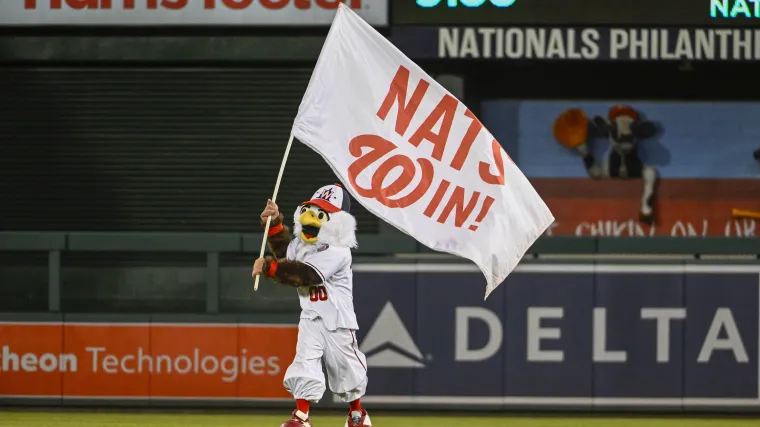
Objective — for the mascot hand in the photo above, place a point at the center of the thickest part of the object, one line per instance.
(258, 267)
(270, 210)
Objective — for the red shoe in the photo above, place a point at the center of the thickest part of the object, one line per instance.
(358, 419)
(299, 420)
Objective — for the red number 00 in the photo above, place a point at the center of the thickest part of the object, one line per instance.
(317, 293)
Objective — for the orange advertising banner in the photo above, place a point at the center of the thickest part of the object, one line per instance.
(145, 360)
(683, 207)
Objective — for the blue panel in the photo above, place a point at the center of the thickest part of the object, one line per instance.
(684, 148)
(572, 376)
(416, 354)
(641, 375)
(372, 293)
(440, 297)
(723, 374)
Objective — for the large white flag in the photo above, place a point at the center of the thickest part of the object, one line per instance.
(414, 155)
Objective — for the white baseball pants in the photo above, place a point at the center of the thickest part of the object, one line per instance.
(346, 366)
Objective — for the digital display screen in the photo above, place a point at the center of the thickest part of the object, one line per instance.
(724, 13)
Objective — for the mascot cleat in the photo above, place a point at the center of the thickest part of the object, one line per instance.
(299, 420)
(358, 419)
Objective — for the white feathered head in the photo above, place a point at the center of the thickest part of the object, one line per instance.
(326, 218)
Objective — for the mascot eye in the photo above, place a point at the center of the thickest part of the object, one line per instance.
(322, 216)
(303, 209)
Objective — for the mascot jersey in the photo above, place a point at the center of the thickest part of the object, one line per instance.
(333, 299)
(318, 261)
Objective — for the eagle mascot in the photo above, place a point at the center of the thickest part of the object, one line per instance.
(317, 262)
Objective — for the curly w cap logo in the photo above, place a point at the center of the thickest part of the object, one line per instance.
(326, 194)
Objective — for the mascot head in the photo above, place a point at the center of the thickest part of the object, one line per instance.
(625, 128)
(326, 219)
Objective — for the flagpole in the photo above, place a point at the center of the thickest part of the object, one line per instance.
(274, 196)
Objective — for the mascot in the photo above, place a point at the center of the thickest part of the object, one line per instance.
(624, 128)
(317, 262)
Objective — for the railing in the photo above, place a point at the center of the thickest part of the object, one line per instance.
(403, 247)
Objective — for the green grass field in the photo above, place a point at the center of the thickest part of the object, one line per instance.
(44, 419)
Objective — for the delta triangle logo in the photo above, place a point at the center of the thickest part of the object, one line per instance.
(388, 343)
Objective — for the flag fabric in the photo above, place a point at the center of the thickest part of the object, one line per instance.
(414, 155)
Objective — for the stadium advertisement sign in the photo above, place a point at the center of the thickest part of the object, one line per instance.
(686, 207)
(577, 12)
(142, 361)
(579, 43)
(575, 336)
(561, 335)
(248, 13)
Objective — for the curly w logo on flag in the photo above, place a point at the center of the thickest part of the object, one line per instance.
(414, 155)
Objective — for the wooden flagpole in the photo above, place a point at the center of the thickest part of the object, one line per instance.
(274, 197)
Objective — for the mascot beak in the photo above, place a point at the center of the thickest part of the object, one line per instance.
(310, 226)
